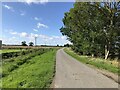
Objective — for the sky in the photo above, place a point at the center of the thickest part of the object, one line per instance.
(23, 21)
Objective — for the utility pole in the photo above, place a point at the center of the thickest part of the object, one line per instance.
(35, 40)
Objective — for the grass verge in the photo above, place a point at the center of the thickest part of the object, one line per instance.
(97, 62)
(37, 73)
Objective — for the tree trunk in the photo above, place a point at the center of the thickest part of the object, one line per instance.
(106, 52)
(92, 55)
(107, 47)
(106, 56)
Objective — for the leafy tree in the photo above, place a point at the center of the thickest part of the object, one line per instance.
(67, 45)
(23, 43)
(93, 28)
(31, 43)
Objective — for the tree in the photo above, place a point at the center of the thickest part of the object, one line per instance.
(111, 27)
(66, 45)
(31, 43)
(93, 28)
(24, 43)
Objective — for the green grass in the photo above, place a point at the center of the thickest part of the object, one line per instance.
(97, 62)
(9, 50)
(37, 73)
(11, 64)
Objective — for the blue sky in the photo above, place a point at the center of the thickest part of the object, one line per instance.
(22, 21)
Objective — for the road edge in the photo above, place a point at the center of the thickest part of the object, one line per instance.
(106, 73)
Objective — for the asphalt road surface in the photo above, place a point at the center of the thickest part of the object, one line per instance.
(70, 73)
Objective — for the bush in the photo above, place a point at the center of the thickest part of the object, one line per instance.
(10, 55)
(19, 62)
(22, 53)
(11, 60)
(4, 74)
(16, 54)
(12, 67)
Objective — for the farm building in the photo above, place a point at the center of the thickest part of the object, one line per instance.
(0, 44)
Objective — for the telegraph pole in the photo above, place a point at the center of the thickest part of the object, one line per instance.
(35, 40)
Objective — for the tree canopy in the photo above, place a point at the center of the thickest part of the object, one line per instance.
(94, 28)
(23, 43)
(31, 43)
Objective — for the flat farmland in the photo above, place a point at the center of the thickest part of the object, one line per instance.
(27, 47)
(10, 50)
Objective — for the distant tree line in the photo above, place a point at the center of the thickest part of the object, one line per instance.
(23, 43)
(67, 45)
(94, 28)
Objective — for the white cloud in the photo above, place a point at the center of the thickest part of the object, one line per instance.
(48, 40)
(33, 35)
(8, 7)
(43, 1)
(12, 41)
(41, 38)
(63, 37)
(39, 25)
(36, 18)
(24, 34)
(56, 37)
(22, 13)
(34, 1)
(13, 33)
(35, 30)
(53, 40)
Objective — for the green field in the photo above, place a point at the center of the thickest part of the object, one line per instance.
(97, 62)
(36, 72)
(9, 50)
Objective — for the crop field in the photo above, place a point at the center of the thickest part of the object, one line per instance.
(10, 50)
(30, 68)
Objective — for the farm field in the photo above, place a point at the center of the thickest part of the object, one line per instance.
(10, 50)
(26, 72)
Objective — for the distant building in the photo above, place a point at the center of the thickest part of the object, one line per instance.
(0, 44)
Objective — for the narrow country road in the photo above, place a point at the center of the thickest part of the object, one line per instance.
(70, 73)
